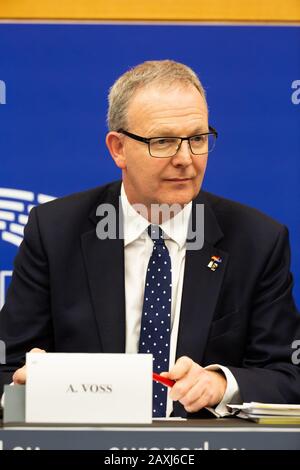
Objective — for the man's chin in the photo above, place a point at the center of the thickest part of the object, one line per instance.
(179, 197)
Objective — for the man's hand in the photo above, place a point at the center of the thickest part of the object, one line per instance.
(19, 376)
(195, 386)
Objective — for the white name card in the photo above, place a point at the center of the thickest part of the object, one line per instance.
(88, 388)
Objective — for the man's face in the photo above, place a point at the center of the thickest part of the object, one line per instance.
(156, 112)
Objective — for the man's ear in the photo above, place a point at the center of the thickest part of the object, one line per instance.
(115, 144)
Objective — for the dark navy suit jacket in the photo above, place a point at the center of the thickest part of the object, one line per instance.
(67, 293)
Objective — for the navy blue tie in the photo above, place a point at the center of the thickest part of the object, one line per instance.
(156, 315)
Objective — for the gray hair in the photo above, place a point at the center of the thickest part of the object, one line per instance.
(161, 72)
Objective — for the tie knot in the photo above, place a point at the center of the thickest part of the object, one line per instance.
(156, 234)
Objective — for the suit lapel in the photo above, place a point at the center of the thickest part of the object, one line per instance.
(201, 289)
(104, 260)
(201, 285)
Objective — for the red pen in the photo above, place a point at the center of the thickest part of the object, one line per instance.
(163, 380)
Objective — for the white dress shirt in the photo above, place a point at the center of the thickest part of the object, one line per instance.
(138, 248)
(137, 251)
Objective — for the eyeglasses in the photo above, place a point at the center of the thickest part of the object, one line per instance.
(166, 147)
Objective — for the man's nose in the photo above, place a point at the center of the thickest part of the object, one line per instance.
(183, 156)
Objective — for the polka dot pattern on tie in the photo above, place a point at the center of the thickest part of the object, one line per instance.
(156, 315)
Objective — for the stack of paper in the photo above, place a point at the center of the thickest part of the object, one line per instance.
(268, 413)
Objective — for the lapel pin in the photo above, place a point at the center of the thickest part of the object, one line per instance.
(214, 263)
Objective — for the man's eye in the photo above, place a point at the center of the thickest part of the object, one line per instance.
(198, 138)
(163, 142)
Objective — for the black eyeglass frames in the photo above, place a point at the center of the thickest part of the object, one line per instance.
(166, 147)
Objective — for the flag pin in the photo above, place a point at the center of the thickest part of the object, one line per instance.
(214, 263)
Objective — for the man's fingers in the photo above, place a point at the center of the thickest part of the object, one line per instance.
(208, 390)
(195, 395)
(183, 387)
(181, 368)
(19, 376)
(165, 374)
(185, 372)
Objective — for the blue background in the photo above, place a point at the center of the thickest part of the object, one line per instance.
(52, 128)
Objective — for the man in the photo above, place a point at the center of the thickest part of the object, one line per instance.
(227, 322)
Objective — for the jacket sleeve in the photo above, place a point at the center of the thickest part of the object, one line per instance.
(25, 320)
(270, 372)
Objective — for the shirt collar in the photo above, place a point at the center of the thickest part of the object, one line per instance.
(135, 224)
(176, 228)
